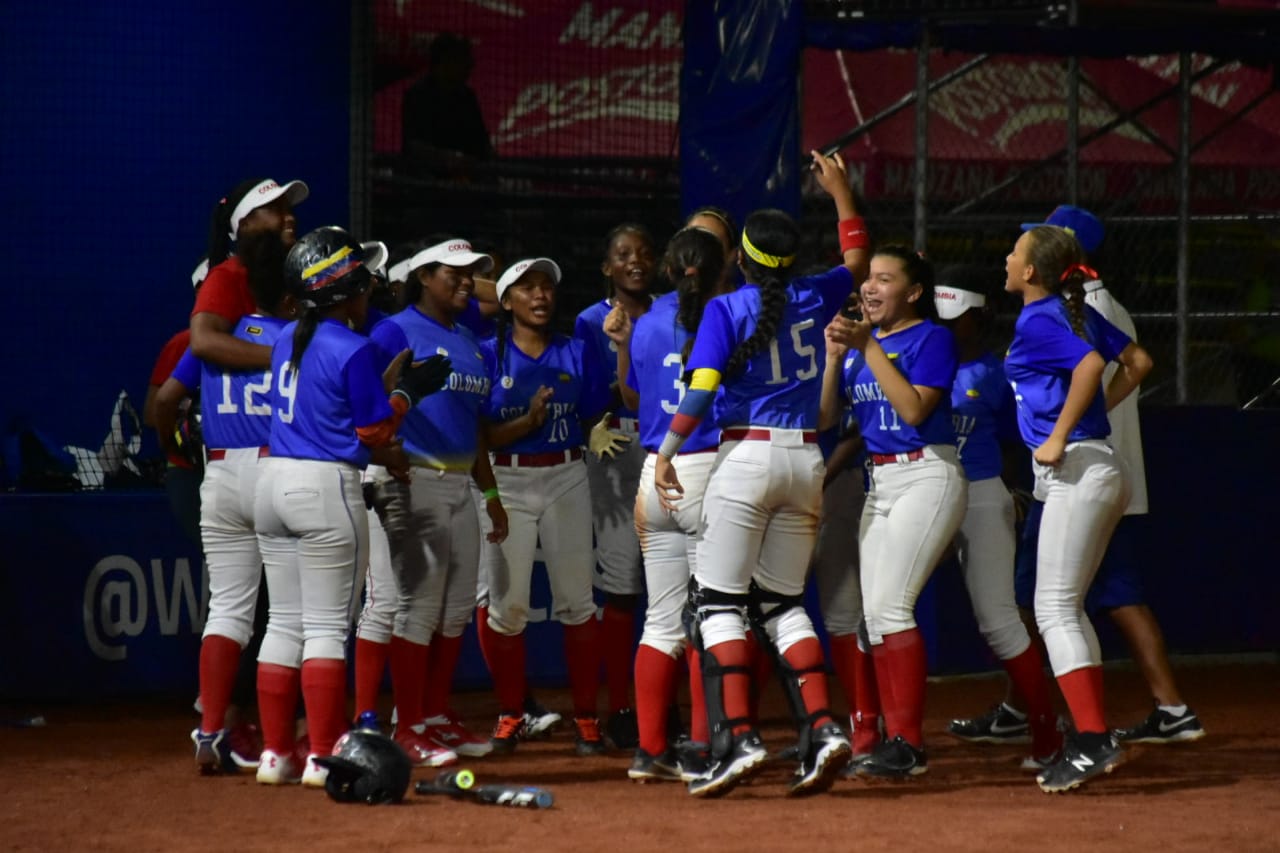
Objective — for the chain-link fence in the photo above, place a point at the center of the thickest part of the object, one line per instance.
(997, 155)
(579, 109)
(576, 105)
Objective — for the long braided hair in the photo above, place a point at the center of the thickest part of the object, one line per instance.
(1059, 262)
(775, 235)
(694, 262)
(220, 221)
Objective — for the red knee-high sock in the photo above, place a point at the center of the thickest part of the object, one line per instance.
(866, 703)
(277, 704)
(697, 699)
(761, 665)
(408, 674)
(618, 635)
(1082, 688)
(582, 654)
(505, 656)
(655, 691)
(324, 689)
(1026, 671)
(482, 622)
(371, 661)
(908, 666)
(735, 686)
(804, 655)
(844, 651)
(441, 663)
(880, 658)
(219, 660)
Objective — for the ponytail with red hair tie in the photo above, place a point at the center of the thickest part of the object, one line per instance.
(1090, 273)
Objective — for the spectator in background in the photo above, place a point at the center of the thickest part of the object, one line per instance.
(440, 116)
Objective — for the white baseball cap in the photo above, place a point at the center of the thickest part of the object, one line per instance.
(199, 274)
(519, 268)
(262, 195)
(453, 253)
(376, 256)
(398, 272)
(951, 302)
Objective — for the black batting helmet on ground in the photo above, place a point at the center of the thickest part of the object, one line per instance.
(367, 767)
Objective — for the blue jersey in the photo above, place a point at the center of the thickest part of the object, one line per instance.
(473, 319)
(589, 328)
(187, 370)
(439, 432)
(780, 385)
(984, 416)
(657, 341)
(926, 355)
(1041, 358)
(236, 406)
(336, 389)
(579, 390)
(372, 318)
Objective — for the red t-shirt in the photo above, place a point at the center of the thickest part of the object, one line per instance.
(169, 357)
(225, 292)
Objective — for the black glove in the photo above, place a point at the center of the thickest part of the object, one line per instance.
(424, 379)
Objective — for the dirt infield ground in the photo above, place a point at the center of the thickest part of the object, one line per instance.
(121, 778)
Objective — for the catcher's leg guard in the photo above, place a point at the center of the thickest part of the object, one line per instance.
(765, 609)
(705, 604)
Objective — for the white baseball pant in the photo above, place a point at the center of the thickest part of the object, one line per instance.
(377, 617)
(1084, 498)
(835, 555)
(912, 512)
(669, 543)
(614, 482)
(313, 532)
(231, 543)
(759, 521)
(434, 537)
(553, 505)
(985, 548)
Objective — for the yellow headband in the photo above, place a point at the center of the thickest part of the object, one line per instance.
(761, 258)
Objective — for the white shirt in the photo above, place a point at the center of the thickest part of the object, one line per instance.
(1126, 434)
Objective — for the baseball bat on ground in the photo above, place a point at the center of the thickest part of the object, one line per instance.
(461, 784)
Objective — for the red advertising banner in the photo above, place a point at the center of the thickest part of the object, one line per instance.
(554, 78)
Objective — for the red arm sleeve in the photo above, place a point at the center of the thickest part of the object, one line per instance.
(376, 435)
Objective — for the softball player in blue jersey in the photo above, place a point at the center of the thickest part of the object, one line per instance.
(837, 576)
(236, 422)
(613, 470)
(761, 505)
(651, 355)
(330, 407)
(431, 520)
(985, 421)
(1055, 364)
(541, 386)
(897, 374)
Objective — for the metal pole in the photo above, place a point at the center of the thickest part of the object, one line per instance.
(1184, 220)
(1073, 114)
(922, 140)
(360, 115)
(901, 104)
